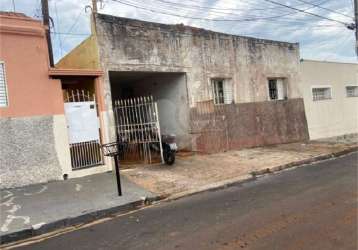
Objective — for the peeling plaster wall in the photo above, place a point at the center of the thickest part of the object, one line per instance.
(133, 45)
(28, 153)
(243, 125)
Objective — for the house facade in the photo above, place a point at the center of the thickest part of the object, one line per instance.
(39, 110)
(330, 91)
(32, 121)
(214, 91)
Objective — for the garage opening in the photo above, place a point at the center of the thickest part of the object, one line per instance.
(169, 90)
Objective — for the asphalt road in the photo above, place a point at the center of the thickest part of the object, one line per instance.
(312, 207)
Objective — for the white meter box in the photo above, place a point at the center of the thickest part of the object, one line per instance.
(82, 121)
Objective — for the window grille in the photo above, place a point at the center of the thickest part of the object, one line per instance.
(222, 91)
(218, 88)
(4, 102)
(321, 94)
(273, 89)
(352, 91)
(277, 89)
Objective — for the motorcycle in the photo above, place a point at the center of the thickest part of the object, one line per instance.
(169, 149)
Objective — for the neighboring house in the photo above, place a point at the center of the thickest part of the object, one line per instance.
(35, 145)
(215, 91)
(330, 91)
(31, 105)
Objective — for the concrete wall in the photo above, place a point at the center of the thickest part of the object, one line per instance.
(336, 116)
(132, 45)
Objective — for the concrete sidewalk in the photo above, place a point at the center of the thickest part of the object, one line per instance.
(196, 173)
(37, 209)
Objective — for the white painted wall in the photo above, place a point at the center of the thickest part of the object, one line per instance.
(336, 116)
(170, 92)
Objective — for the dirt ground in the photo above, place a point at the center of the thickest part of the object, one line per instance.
(192, 172)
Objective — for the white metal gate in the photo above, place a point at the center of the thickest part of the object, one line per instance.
(83, 129)
(137, 125)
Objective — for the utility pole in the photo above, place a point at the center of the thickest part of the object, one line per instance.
(46, 22)
(94, 6)
(13, 5)
(356, 23)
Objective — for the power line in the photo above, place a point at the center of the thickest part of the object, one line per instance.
(205, 9)
(342, 44)
(352, 5)
(214, 8)
(201, 18)
(306, 12)
(58, 23)
(324, 8)
(183, 33)
(76, 21)
(191, 17)
(211, 10)
(186, 6)
(13, 5)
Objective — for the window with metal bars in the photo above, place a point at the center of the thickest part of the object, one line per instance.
(352, 91)
(277, 89)
(273, 89)
(4, 101)
(222, 91)
(321, 93)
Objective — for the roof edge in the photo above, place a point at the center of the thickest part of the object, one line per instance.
(195, 30)
(74, 72)
(323, 61)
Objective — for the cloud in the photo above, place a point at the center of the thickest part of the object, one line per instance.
(319, 39)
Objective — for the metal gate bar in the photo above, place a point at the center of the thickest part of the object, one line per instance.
(137, 124)
(85, 154)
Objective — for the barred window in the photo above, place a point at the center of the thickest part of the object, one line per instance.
(352, 91)
(321, 93)
(4, 102)
(222, 91)
(277, 89)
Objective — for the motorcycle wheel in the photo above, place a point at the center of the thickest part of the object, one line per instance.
(169, 157)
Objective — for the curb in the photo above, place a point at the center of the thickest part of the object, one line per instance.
(304, 162)
(37, 230)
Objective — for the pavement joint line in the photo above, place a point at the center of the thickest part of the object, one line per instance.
(74, 223)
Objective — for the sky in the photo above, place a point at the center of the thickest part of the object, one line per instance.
(319, 38)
